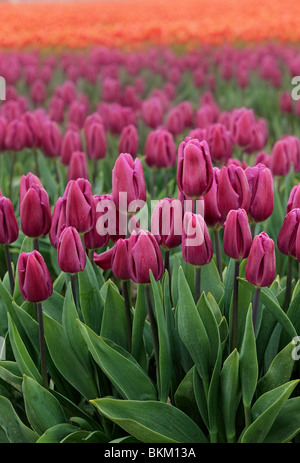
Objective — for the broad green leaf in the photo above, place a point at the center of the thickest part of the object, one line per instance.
(138, 323)
(56, 434)
(210, 280)
(286, 424)
(230, 393)
(85, 437)
(42, 408)
(140, 419)
(16, 431)
(211, 328)
(90, 300)
(185, 398)
(119, 366)
(53, 306)
(10, 373)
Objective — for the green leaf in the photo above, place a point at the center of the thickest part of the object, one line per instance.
(138, 323)
(185, 398)
(230, 393)
(57, 433)
(119, 366)
(286, 424)
(210, 280)
(53, 306)
(22, 357)
(265, 411)
(210, 326)
(192, 331)
(16, 431)
(85, 437)
(140, 419)
(90, 300)
(10, 373)
(42, 408)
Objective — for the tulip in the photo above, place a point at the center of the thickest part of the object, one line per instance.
(128, 177)
(233, 191)
(194, 169)
(144, 255)
(263, 158)
(93, 239)
(51, 139)
(280, 158)
(16, 135)
(260, 181)
(3, 126)
(78, 167)
(71, 256)
(80, 206)
(32, 128)
(166, 223)
(160, 149)
(294, 199)
(294, 151)
(95, 140)
(34, 278)
(261, 266)
(27, 181)
(57, 109)
(77, 114)
(242, 124)
(116, 258)
(71, 142)
(35, 212)
(175, 122)
(237, 235)
(9, 232)
(58, 221)
(129, 140)
(219, 142)
(38, 91)
(152, 112)
(212, 215)
(286, 103)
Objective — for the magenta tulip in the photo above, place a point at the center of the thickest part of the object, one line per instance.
(261, 186)
(80, 206)
(233, 191)
(144, 255)
(237, 235)
(71, 256)
(9, 228)
(34, 278)
(261, 264)
(197, 246)
(166, 223)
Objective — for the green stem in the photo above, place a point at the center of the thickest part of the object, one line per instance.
(154, 329)
(234, 337)
(37, 170)
(42, 345)
(73, 286)
(197, 284)
(167, 182)
(218, 253)
(11, 177)
(36, 244)
(247, 413)
(289, 277)
(255, 307)
(95, 171)
(252, 228)
(128, 312)
(9, 268)
(153, 183)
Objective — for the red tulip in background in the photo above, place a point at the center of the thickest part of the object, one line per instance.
(78, 167)
(71, 256)
(197, 246)
(95, 140)
(80, 205)
(97, 238)
(34, 278)
(129, 140)
(58, 221)
(160, 149)
(34, 205)
(166, 223)
(144, 255)
(51, 139)
(116, 258)
(260, 181)
(212, 215)
(71, 142)
(9, 228)
(288, 240)
(237, 235)
(233, 190)
(261, 264)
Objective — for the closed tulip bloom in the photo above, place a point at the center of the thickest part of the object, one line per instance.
(58, 221)
(95, 136)
(116, 258)
(80, 206)
(51, 139)
(175, 121)
(32, 127)
(78, 167)
(212, 215)
(288, 240)
(281, 163)
(77, 114)
(9, 228)
(166, 223)
(38, 91)
(93, 239)
(237, 235)
(152, 112)
(219, 142)
(294, 199)
(128, 177)
(197, 246)
(294, 151)
(35, 212)
(233, 191)
(261, 186)
(57, 109)
(129, 140)
(71, 256)
(263, 158)
(160, 149)
(34, 277)
(144, 255)
(71, 142)
(26, 182)
(16, 135)
(286, 102)
(261, 263)
(194, 168)
(242, 124)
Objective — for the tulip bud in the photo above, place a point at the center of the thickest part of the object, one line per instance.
(261, 186)
(16, 135)
(32, 128)
(263, 158)
(80, 206)
(212, 215)
(35, 212)
(175, 122)
(281, 163)
(58, 221)
(57, 109)
(71, 256)
(294, 198)
(78, 166)
(233, 191)
(9, 228)
(286, 102)
(116, 258)
(261, 264)
(144, 255)
(242, 124)
(38, 91)
(152, 112)
(95, 140)
(77, 114)
(166, 223)
(34, 278)
(71, 142)
(128, 177)
(288, 240)
(129, 140)
(194, 169)
(237, 235)
(51, 139)
(197, 246)
(160, 149)
(26, 182)
(93, 239)
(219, 142)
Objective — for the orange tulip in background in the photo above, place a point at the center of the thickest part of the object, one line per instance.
(135, 23)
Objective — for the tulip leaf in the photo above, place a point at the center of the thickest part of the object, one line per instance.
(119, 366)
(140, 419)
(16, 431)
(10, 373)
(90, 300)
(211, 327)
(210, 280)
(53, 306)
(85, 437)
(230, 393)
(265, 411)
(42, 408)
(25, 247)
(185, 397)
(287, 423)
(138, 323)
(56, 433)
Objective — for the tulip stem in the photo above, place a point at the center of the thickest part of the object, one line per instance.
(154, 329)
(42, 345)
(9, 268)
(167, 267)
(153, 183)
(95, 171)
(73, 285)
(255, 307)
(13, 161)
(36, 244)
(234, 337)
(128, 312)
(167, 182)
(252, 228)
(289, 277)
(37, 170)
(197, 284)
(218, 253)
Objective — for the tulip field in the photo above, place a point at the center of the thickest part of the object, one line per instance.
(149, 224)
